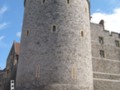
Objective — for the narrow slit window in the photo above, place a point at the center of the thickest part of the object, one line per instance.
(54, 28)
(68, 1)
(82, 34)
(27, 32)
(102, 53)
(43, 1)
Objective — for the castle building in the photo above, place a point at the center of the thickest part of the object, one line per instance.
(9, 73)
(55, 48)
(61, 50)
(105, 58)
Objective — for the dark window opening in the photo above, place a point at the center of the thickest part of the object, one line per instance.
(54, 28)
(27, 33)
(43, 1)
(102, 53)
(101, 40)
(82, 34)
(17, 57)
(117, 43)
(68, 1)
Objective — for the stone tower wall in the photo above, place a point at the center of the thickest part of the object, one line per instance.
(55, 51)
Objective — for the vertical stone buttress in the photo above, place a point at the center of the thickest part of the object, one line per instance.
(55, 51)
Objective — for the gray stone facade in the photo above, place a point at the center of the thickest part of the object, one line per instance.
(9, 73)
(55, 51)
(106, 65)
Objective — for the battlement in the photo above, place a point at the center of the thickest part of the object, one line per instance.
(110, 34)
(87, 1)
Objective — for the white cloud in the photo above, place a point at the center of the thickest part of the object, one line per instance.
(3, 25)
(1, 38)
(3, 10)
(112, 20)
(2, 43)
(18, 34)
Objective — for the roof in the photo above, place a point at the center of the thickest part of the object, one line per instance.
(2, 70)
(17, 48)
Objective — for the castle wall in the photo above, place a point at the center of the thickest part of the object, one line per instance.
(106, 68)
(55, 46)
(2, 80)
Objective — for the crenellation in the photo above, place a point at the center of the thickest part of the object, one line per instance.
(109, 65)
(115, 35)
(105, 33)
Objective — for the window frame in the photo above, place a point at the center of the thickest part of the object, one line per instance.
(101, 40)
(117, 43)
(102, 53)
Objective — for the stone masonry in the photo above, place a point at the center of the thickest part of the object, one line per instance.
(62, 50)
(106, 58)
(55, 51)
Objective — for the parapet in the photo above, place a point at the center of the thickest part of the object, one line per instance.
(87, 1)
(111, 34)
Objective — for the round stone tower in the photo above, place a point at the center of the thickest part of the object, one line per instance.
(55, 51)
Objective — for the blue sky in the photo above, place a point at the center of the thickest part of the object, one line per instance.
(11, 18)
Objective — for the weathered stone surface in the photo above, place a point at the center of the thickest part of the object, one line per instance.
(55, 46)
(106, 69)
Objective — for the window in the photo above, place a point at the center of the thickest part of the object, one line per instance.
(27, 33)
(43, 1)
(117, 43)
(82, 34)
(68, 1)
(101, 40)
(102, 53)
(54, 28)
